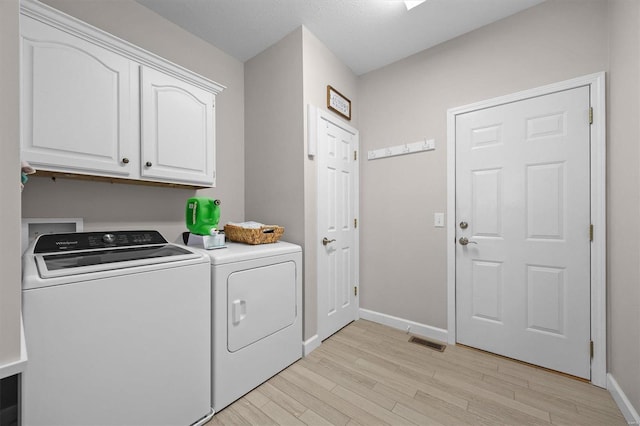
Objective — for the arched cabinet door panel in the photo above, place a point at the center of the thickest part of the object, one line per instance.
(177, 129)
(78, 103)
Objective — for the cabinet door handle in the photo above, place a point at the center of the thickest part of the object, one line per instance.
(148, 164)
(125, 160)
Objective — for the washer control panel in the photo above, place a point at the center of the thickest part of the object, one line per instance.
(53, 243)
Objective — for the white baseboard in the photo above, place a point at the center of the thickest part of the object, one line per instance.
(630, 414)
(205, 419)
(405, 325)
(310, 344)
(19, 365)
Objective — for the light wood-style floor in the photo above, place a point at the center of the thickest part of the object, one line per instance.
(369, 374)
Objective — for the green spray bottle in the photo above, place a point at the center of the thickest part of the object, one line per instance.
(202, 215)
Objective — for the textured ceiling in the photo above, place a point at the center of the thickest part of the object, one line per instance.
(364, 34)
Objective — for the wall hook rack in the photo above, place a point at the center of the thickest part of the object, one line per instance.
(407, 148)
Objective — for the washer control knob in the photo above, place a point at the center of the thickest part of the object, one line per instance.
(109, 238)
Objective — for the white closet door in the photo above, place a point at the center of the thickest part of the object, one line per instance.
(337, 232)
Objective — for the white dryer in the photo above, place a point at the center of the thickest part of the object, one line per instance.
(256, 316)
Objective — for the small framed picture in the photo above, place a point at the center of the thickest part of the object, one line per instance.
(338, 103)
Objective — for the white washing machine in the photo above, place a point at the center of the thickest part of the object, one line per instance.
(117, 329)
(256, 315)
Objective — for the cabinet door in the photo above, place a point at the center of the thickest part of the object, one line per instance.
(177, 123)
(76, 104)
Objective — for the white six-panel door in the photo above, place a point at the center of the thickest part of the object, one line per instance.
(337, 211)
(523, 193)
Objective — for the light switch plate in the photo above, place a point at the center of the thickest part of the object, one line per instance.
(438, 220)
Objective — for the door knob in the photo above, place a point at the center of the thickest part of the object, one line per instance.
(326, 241)
(464, 225)
(464, 241)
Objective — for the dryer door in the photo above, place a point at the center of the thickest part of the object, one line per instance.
(260, 302)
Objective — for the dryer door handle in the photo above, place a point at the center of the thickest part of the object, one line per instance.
(239, 310)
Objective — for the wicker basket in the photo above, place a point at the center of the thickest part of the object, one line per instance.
(263, 235)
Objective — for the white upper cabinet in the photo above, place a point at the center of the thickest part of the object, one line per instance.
(96, 105)
(77, 106)
(177, 123)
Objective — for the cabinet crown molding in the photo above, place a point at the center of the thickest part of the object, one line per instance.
(78, 28)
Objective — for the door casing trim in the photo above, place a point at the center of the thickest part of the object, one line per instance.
(596, 83)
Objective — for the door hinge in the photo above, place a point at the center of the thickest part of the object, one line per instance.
(355, 155)
(355, 223)
(591, 232)
(590, 115)
(591, 348)
(355, 290)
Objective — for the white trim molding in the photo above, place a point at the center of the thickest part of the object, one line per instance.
(412, 327)
(628, 411)
(310, 345)
(596, 84)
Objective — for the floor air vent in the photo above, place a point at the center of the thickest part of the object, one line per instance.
(432, 345)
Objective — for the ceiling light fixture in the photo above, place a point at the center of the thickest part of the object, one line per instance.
(413, 3)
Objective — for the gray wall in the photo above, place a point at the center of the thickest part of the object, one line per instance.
(274, 142)
(116, 206)
(408, 100)
(321, 68)
(274, 171)
(280, 178)
(9, 184)
(623, 203)
(273, 137)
